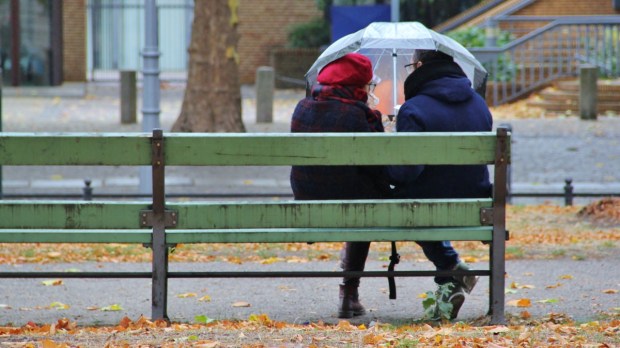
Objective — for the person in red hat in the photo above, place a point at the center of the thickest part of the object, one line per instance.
(339, 103)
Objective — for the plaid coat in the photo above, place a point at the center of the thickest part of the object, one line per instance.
(336, 182)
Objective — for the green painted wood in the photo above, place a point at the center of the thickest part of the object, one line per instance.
(75, 236)
(70, 215)
(290, 235)
(329, 148)
(75, 149)
(248, 149)
(336, 214)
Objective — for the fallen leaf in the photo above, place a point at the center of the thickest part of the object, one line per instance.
(271, 260)
(610, 291)
(205, 298)
(566, 276)
(424, 295)
(553, 286)
(52, 282)
(241, 304)
(525, 315)
(523, 302)
(187, 295)
(203, 319)
(498, 329)
(114, 307)
(550, 300)
(59, 305)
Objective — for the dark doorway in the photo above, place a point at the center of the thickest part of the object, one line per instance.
(31, 42)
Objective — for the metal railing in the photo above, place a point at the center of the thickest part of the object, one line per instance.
(550, 52)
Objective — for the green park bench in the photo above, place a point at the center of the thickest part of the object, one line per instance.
(161, 224)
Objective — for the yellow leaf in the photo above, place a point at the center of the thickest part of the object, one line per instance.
(470, 259)
(52, 282)
(610, 291)
(424, 295)
(241, 304)
(361, 327)
(553, 286)
(271, 260)
(205, 298)
(566, 276)
(59, 305)
(114, 307)
(187, 295)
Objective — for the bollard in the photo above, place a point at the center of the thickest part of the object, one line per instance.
(128, 97)
(491, 30)
(87, 190)
(265, 83)
(568, 192)
(588, 75)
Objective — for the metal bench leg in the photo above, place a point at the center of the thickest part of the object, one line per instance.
(497, 281)
(160, 276)
(498, 245)
(160, 249)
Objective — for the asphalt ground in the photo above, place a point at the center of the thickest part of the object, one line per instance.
(545, 152)
(578, 290)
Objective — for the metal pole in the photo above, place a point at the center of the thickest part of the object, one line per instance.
(1, 192)
(150, 81)
(395, 10)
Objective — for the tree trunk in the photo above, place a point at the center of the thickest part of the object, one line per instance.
(212, 101)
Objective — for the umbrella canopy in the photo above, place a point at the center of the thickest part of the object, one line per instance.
(390, 46)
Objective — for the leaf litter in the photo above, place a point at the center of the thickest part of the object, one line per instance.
(539, 228)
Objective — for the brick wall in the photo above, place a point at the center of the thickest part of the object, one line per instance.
(292, 63)
(263, 28)
(74, 40)
(569, 8)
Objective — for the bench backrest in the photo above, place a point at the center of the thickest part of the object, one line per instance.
(363, 219)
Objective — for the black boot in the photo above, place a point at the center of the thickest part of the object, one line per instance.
(349, 305)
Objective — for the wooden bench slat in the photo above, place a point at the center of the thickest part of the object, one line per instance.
(291, 235)
(329, 148)
(330, 214)
(75, 149)
(75, 236)
(70, 214)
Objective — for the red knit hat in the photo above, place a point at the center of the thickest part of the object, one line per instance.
(352, 69)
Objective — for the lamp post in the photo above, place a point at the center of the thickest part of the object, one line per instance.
(150, 81)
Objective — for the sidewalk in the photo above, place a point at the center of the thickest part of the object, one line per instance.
(545, 151)
(564, 286)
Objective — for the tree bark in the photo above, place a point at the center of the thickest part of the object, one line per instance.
(212, 101)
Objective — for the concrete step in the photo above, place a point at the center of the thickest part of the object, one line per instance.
(572, 105)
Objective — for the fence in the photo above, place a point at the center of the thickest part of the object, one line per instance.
(553, 51)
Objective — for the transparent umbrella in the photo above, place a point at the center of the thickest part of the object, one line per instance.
(390, 46)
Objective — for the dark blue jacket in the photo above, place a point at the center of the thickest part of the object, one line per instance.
(445, 104)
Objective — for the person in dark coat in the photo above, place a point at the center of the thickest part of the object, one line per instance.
(338, 103)
(439, 98)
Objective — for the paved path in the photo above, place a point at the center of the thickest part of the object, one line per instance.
(543, 282)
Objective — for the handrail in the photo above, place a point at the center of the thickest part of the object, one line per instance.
(552, 51)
